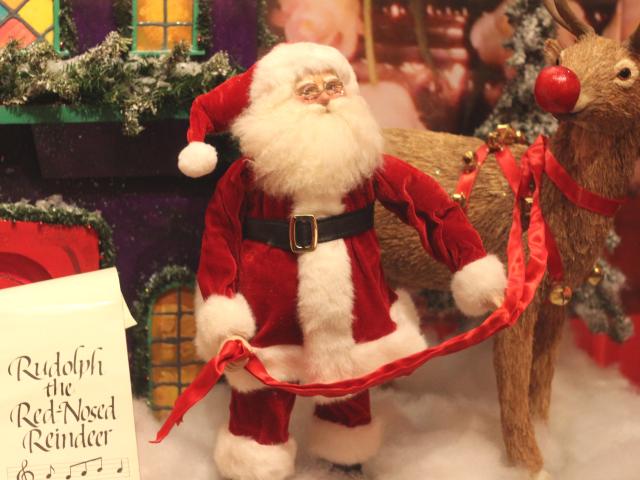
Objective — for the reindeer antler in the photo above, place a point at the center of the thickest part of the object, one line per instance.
(567, 18)
(551, 7)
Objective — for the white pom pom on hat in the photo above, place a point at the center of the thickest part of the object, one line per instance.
(197, 159)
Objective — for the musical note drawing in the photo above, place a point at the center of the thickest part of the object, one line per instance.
(85, 464)
(23, 473)
(94, 469)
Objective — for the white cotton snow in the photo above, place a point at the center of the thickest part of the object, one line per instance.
(442, 424)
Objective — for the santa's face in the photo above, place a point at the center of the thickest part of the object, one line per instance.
(310, 137)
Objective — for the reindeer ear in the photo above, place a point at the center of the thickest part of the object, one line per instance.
(634, 41)
(552, 51)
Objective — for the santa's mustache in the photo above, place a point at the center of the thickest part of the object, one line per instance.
(338, 107)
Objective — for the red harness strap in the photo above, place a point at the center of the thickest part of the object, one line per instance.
(576, 194)
(519, 177)
(524, 278)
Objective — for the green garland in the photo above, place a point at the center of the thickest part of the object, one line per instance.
(171, 276)
(55, 212)
(68, 30)
(22, 71)
(266, 38)
(140, 88)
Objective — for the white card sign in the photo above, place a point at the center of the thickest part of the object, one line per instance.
(66, 409)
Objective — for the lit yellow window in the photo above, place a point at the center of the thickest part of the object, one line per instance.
(28, 21)
(174, 364)
(158, 25)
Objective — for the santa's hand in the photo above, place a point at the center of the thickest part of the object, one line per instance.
(494, 302)
(218, 318)
(239, 364)
(479, 286)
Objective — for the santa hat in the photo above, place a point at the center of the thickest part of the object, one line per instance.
(274, 75)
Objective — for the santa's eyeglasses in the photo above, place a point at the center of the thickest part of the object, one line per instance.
(311, 89)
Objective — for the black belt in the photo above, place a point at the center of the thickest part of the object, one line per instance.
(303, 232)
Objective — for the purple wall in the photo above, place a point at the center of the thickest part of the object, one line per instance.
(63, 150)
(93, 19)
(235, 27)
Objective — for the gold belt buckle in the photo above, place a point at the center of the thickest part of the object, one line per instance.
(293, 241)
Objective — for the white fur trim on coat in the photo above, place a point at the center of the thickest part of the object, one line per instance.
(282, 66)
(344, 445)
(325, 312)
(197, 159)
(288, 362)
(479, 284)
(243, 458)
(219, 318)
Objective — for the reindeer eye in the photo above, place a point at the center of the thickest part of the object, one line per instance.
(624, 74)
(558, 61)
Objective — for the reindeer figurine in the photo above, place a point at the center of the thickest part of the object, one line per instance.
(597, 142)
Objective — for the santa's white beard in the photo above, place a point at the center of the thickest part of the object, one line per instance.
(298, 149)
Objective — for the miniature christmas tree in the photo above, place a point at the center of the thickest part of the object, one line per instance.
(532, 25)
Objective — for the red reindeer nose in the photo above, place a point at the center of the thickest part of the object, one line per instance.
(557, 89)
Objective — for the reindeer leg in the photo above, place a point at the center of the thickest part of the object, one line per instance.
(512, 362)
(548, 333)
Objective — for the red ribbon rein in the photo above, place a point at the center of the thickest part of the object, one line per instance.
(523, 280)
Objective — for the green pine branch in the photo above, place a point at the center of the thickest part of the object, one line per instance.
(109, 76)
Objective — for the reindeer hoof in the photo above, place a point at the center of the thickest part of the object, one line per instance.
(541, 475)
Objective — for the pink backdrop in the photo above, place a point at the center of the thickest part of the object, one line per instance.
(461, 80)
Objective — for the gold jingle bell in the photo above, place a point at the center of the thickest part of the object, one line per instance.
(494, 142)
(560, 295)
(460, 199)
(470, 161)
(596, 275)
(527, 205)
(505, 135)
(520, 138)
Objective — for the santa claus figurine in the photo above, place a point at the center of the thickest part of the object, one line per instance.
(290, 261)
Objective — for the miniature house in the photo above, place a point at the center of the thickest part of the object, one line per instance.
(155, 215)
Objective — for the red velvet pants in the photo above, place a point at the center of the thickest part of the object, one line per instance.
(263, 415)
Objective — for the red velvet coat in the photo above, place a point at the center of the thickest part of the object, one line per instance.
(268, 277)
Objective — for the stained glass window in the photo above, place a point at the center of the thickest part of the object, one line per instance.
(174, 364)
(28, 21)
(158, 25)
